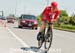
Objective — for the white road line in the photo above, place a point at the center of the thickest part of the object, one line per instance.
(19, 39)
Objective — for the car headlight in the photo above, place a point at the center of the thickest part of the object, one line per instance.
(23, 21)
(35, 22)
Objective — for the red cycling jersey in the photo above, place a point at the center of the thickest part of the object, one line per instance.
(49, 15)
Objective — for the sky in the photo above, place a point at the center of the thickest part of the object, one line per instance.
(35, 7)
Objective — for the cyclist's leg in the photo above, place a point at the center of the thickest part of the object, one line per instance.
(40, 32)
(43, 26)
(41, 29)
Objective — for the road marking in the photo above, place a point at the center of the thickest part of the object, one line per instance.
(19, 39)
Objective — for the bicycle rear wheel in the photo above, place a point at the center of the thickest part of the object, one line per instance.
(48, 39)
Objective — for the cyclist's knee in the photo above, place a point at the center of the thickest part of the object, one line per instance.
(43, 26)
(51, 26)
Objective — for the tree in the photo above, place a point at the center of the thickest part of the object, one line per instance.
(64, 16)
(63, 13)
(39, 19)
(72, 19)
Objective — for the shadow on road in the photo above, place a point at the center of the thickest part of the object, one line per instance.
(33, 49)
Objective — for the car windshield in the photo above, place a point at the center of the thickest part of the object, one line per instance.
(28, 17)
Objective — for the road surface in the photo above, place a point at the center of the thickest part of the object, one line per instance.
(13, 39)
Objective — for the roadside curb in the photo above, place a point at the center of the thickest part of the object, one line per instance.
(64, 30)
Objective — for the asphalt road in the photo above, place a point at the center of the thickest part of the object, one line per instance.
(12, 39)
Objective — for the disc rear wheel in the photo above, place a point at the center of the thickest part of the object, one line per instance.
(42, 39)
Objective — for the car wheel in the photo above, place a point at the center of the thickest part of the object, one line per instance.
(36, 28)
(7, 21)
(13, 22)
(19, 26)
(32, 27)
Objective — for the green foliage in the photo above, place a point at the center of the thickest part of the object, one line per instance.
(63, 17)
(66, 27)
(72, 20)
(63, 13)
(39, 19)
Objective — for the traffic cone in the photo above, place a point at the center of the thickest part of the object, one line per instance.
(5, 25)
(1, 23)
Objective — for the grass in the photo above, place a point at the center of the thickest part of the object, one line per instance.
(66, 27)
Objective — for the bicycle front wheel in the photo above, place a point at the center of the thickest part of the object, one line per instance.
(48, 40)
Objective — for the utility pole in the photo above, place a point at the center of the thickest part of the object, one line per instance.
(2, 13)
(47, 2)
(16, 7)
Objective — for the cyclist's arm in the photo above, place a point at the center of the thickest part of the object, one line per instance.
(56, 16)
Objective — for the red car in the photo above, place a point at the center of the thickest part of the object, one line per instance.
(10, 20)
(28, 21)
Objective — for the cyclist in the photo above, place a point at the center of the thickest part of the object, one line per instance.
(50, 14)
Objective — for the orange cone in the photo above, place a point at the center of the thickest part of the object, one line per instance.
(5, 25)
